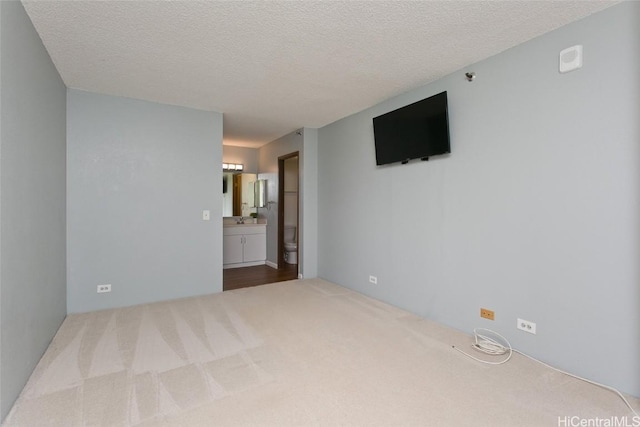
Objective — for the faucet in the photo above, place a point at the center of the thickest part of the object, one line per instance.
(240, 221)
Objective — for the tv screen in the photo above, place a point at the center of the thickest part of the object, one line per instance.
(416, 131)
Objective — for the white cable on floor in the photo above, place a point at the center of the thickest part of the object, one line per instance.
(488, 345)
(492, 347)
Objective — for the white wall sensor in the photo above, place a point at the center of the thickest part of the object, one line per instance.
(571, 58)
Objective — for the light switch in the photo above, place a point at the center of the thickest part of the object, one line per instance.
(206, 215)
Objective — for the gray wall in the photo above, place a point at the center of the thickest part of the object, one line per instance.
(140, 174)
(308, 239)
(307, 145)
(32, 199)
(246, 156)
(268, 169)
(533, 215)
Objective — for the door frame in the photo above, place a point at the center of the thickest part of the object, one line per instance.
(281, 160)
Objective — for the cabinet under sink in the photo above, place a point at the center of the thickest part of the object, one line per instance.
(244, 245)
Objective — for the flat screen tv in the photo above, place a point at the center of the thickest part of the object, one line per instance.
(416, 131)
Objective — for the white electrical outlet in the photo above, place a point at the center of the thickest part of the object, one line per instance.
(104, 288)
(373, 279)
(525, 325)
(206, 215)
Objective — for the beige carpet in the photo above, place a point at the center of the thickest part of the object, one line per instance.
(288, 354)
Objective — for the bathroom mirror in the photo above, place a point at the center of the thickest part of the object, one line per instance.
(238, 194)
(259, 189)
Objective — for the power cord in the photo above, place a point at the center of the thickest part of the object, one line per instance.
(488, 345)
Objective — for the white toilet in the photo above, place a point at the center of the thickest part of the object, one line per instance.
(290, 245)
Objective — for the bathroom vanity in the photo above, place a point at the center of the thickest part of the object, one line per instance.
(244, 245)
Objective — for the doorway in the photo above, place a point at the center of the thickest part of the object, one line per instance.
(288, 210)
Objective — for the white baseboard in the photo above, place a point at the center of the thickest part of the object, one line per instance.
(272, 264)
(243, 264)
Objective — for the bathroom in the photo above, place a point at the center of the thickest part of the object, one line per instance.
(277, 219)
(290, 209)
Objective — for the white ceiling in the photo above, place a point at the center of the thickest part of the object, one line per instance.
(274, 66)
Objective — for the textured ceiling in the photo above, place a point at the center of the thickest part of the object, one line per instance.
(274, 66)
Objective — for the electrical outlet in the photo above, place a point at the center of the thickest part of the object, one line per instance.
(104, 288)
(487, 314)
(527, 326)
(373, 279)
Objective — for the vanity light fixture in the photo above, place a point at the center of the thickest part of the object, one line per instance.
(232, 167)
